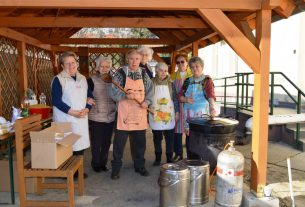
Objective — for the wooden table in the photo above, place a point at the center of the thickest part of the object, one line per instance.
(8, 139)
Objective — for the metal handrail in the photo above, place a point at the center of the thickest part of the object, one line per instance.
(242, 95)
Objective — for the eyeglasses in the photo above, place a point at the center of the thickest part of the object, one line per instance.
(180, 62)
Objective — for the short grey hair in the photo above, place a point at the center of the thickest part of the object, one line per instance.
(102, 58)
(64, 55)
(196, 60)
(144, 48)
(161, 65)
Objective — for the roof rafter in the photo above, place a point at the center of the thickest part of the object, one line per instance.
(110, 41)
(114, 22)
(137, 4)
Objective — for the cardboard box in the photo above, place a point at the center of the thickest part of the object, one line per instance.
(31, 183)
(52, 146)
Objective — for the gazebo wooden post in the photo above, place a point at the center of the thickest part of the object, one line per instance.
(23, 79)
(83, 53)
(55, 63)
(195, 48)
(173, 62)
(261, 104)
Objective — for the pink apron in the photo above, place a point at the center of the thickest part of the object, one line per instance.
(131, 116)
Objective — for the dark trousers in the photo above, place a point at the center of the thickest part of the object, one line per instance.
(138, 142)
(100, 134)
(178, 144)
(190, 155)
(80, 152)
(169, 141)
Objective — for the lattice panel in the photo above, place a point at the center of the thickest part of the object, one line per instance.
(9, 84)
(39, 71)
(118, 59)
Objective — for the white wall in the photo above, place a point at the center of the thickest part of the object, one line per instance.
(287, 54)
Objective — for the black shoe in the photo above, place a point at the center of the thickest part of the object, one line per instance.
(104, 168)
(156, 163)
(97, 169)
(76, 175)
(115, 175)
(142, 171)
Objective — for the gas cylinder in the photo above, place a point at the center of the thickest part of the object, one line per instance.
(230, 171)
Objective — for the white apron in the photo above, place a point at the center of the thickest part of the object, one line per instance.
(75, 96)
(163, 106)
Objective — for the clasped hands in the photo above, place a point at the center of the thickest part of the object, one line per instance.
(78, 113)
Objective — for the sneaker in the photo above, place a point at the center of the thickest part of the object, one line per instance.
(142, 171)
(156, 163)
(115, 175)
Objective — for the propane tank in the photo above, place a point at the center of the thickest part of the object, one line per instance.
(230, 171)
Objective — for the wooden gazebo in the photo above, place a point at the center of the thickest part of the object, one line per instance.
(32, 33)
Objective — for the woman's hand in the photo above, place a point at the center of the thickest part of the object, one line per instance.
(91, 101)
(75, 113)
(84, 112)
(144, 105)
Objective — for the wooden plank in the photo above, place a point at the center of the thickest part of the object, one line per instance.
(136, 4)
(12, 34)
(112, 22)
(23, 79)
(158, 58)
(261, 105)
(232, 35)
(247, 30)
(110, 41)
(56, 48)
(285, 8)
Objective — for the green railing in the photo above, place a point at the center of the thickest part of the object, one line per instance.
(243, 98)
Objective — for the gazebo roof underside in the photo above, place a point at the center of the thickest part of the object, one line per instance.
(176, 27)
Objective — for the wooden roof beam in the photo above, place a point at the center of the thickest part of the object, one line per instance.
(233, 36)
(56, 48)
(224, 5)
(12, 34)
(110, 41)
(112, 22)
(285, 8)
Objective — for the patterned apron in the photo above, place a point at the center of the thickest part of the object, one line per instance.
(164, 117)
(200, 107)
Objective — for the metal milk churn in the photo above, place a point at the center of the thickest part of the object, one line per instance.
(199, 182)
(230, 171)
(174, 184)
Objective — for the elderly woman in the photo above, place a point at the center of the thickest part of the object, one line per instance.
(101, 116)
(147, 54)
(198, 96)
(178, 78)
(72, 100)
(132, 112)
(163, 121)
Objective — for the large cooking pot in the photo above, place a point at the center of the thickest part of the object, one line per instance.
(217, 125)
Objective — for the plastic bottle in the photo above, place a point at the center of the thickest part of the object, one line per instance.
(42, 99)
(25, 105)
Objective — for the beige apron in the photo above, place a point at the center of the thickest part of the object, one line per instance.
(131, 116)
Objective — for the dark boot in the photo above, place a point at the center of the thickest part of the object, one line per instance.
(169, 157)
(158, 159)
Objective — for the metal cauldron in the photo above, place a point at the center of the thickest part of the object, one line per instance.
(199, 181)
(174, 184)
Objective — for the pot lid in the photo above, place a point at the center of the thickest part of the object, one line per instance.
(217, 121)
(171, 167)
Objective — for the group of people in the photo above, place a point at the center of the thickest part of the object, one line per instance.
(128, 104)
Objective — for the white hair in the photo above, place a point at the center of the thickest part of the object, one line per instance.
(144, 48)
(161, 65)
(101, 59)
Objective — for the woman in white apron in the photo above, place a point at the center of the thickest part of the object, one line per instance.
(162, 121)
(198, 96)
(71, 100)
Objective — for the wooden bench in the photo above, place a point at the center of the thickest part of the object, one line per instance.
(66, 170)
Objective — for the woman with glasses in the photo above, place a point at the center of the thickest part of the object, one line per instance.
(101, 116)
(198, 96)
(178, 78)
(147, 54)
